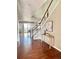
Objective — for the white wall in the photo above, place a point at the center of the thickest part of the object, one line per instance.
(56, 17)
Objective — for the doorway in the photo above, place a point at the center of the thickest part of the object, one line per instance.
(24, 34)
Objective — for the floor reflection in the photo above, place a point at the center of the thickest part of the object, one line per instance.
(26, 41)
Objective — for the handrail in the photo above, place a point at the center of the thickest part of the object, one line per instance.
(46, 11)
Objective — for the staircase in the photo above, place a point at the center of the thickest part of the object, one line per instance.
(40, 31)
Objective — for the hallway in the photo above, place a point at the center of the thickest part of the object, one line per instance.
(37, 50)
(37, 29)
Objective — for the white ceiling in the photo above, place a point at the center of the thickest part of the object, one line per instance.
(26, 8)
(33, 10)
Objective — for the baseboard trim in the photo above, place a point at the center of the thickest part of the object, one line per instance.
(57, 48)
(51, 46)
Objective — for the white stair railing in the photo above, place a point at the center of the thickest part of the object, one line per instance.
(43, 20)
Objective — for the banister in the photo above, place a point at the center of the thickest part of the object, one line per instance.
(46, 11)
(43, 16)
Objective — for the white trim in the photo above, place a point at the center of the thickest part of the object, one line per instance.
(57, 48)
(52, 46)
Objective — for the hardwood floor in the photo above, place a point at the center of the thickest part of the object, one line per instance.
(37, 50)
